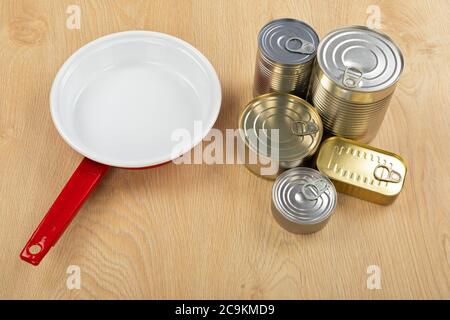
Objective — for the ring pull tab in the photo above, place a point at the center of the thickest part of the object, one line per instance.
(386, 174)
(313, 190)
(304, 128)
(352, 77)
(298, 45)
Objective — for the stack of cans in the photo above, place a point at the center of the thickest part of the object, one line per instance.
(349, 79)
(286, 52)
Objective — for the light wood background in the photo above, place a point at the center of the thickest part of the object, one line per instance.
(199, 231)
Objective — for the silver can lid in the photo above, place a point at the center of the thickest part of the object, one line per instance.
(360, 59)
(304, 197)
(288, 41)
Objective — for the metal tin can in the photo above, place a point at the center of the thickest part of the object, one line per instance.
(279, 131)
(303, 200)
(361, 170)
(354, 78)
(286, 52)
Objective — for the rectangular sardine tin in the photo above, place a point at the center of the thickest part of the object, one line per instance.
(361, 170)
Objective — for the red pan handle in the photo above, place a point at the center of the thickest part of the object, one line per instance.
(73, 195)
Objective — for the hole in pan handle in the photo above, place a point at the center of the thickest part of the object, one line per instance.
(82, 182)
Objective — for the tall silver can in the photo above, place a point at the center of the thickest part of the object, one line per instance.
(286, 52)
(354, 78)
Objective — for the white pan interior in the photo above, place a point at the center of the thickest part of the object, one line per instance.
(120, 99)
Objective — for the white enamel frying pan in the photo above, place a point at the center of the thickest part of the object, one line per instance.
(117, 101)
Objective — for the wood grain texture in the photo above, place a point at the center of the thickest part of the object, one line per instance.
(199, 231)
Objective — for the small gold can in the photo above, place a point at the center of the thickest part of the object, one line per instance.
(361, 170)
(279, 131)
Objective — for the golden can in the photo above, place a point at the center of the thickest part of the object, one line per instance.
(355, 75)
(361, 170)
(279, 131)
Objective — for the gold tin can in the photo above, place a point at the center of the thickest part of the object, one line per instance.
(361, 170)
(354, 77)
(279, 131)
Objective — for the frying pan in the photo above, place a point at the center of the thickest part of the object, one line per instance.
(117, 101)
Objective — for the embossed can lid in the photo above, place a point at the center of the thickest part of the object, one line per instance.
(360, 59)
(362, 170)
(297, 124)
(288, 41)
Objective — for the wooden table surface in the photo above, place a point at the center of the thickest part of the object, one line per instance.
(206, 231)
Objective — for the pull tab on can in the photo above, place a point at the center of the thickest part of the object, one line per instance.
(297, 45)
(386, 174)
(304, 128)
(352, 77)
(314, 189)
